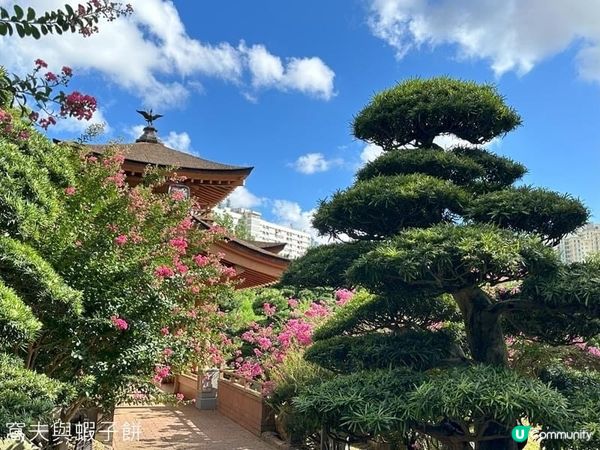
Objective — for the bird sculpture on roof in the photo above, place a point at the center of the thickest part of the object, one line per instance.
(150, 118)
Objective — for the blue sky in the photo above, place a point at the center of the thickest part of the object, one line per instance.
(275, 84)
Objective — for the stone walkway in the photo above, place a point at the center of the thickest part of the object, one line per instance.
(180, 428)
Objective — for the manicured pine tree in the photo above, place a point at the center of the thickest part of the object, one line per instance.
(458, 258)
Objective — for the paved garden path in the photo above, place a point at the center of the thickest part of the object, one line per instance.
(180, 428)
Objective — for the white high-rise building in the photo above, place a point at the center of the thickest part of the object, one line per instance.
(579, 245)
(296, 242)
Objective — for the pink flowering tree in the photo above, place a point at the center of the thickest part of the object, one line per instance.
(103, 287)
(39, 97)
(83, 19)
(35, 93)
(283, 325)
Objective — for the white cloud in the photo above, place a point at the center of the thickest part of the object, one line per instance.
(514, 35)
(135, 131)
(175, 140)
(178, 141)
(447, 141)
(290, 214)
(241, 197)
(314, 162)
(72, 125)
(151, 55)
(370, 153)
(307, 75)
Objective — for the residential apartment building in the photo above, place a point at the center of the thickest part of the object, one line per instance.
(296, 242)
(579, 245)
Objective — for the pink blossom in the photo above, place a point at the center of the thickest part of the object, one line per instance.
(163, 272)
(167, 352)
(192, 313)
(295, 330)
(67, 71)
(343, 296)
(117, 179)
(178, 195)
(264, 343)
(180, 397)
(292, 303)
(250, 370)
(201, 260)
(267, 388)
(257, 353)
(45, 123)
(164, 331)
(248, 336)
(50, 76)
(70, 191)
(229, 272)
(179, 244)
(23, 135)
(594, 351)
(217, 229)
(269, 309)
(121, 239)
(161, 372)
(317, 310)
(181, 268)
(119, 324)
(40, 63)
(80, 106)
(186, 224)
(5, 116)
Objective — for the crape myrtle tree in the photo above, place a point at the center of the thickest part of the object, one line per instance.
(458, 258)
(105, 289)
(37, 94)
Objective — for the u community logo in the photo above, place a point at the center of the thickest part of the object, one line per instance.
(520, 433)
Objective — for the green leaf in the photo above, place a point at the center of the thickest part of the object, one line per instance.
(19, 13)
(3, 29)
(4, 13)
(69, 10)
(35, 32)
(30, 14)
(20, 29)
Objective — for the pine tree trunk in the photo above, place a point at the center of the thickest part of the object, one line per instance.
(483, 328)
(486, 342)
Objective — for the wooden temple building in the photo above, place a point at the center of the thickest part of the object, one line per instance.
(208, 182)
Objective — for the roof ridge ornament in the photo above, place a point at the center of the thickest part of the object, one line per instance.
(149, 134)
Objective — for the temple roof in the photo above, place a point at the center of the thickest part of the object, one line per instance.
(159, 154)
(256, 266)
(273, 247)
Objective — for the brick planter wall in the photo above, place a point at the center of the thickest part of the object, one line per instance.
(243, 405)
(187, 384)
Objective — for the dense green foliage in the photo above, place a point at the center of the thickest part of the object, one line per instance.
(417, 111)
(325, 265)
(416, 349)
(103, 288)
(459, 262)
(27, 396)
(367, 313)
